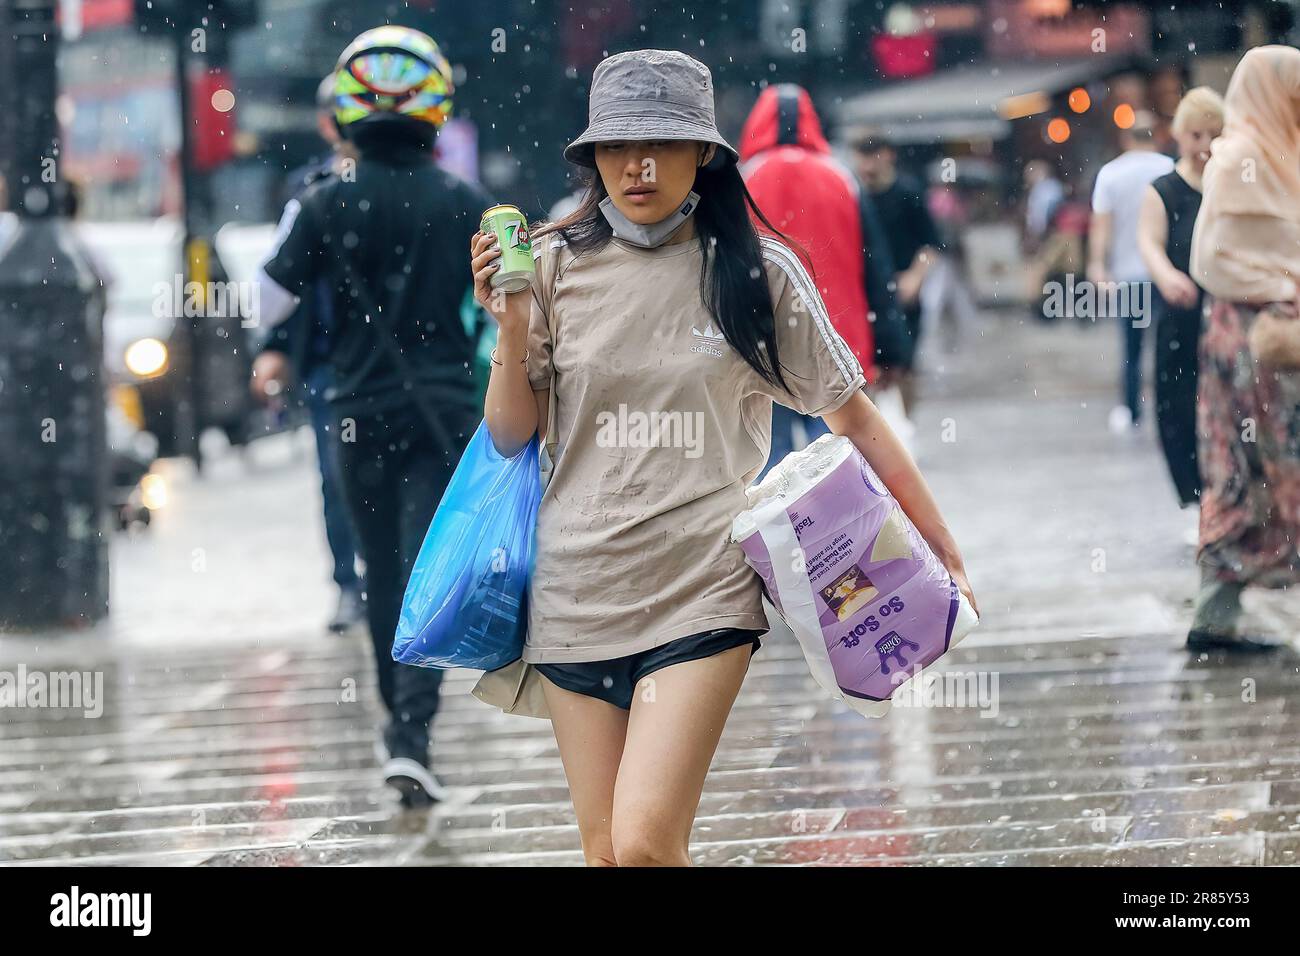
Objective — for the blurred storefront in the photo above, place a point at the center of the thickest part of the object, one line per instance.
(118, 110)
(253, 101)
(981, 79)
(521, 70)
(1047, 77)
(1011, 81)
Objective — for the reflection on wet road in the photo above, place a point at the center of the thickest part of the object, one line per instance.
(1101, 743)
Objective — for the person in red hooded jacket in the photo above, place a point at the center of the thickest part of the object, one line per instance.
(815, 200)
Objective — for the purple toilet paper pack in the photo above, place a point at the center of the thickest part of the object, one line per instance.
(866, 597)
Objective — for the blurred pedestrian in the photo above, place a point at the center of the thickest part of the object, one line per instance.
(945, 296)
(339, 155)
(658, 293)
(913, 237)
(390, 240)
(1061, 255)
(1115, 265)
(1246, 255)
(815, 201)
(300, 346)
(1044, 193)
(1165, 222)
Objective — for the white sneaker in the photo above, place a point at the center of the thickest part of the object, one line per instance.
(1121, 421)
(417, 784)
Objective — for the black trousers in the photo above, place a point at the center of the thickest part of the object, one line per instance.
(394, 473)
(1178, 333)
(1132, 330)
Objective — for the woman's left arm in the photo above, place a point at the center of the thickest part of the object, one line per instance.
(861, 422)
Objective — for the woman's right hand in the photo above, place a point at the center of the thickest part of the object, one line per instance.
(1178, 289)
(510, 309)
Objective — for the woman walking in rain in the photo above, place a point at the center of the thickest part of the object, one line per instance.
(1165, 224)
(1246, 255)
(656, 296)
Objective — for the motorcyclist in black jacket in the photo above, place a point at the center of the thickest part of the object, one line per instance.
(388, 233)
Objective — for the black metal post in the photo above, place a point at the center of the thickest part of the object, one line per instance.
(53, 457)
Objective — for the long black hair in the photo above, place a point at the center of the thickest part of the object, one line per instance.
(733, 281)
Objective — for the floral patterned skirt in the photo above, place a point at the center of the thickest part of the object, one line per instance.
(1248, 441)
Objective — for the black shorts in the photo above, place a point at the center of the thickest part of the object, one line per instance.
(614, 681)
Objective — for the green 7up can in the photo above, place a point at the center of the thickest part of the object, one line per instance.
(511, 230)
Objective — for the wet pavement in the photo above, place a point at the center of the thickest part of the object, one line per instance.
(233, 732)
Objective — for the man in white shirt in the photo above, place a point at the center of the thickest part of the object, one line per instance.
(1113, 255)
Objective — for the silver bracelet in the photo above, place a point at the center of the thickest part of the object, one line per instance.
(522, 361)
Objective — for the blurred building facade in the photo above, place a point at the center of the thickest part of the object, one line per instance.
(980, 80)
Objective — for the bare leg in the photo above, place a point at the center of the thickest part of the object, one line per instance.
(589, 733)
(676, 720)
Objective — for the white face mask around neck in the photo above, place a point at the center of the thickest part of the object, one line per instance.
(653, 234)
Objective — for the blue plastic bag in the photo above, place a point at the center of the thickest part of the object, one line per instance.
(465, 603)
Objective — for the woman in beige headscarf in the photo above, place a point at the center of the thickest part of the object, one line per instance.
(1246, 255)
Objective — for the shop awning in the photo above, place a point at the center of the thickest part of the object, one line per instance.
(972, 101)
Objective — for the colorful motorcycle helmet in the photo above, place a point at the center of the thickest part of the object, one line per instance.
(390, 73)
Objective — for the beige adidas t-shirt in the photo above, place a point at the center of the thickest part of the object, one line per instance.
(661, 426)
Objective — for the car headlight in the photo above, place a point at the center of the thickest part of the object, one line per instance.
(146, 358)
(153, 491)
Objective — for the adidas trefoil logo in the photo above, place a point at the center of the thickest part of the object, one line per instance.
(707, 342)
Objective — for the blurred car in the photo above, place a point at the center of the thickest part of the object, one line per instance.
(151, 328)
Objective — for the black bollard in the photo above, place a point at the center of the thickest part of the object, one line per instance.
(53, 456)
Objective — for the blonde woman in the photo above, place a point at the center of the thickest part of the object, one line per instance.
(1165, 222)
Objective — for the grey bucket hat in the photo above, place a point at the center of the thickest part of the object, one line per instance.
(649, 94)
